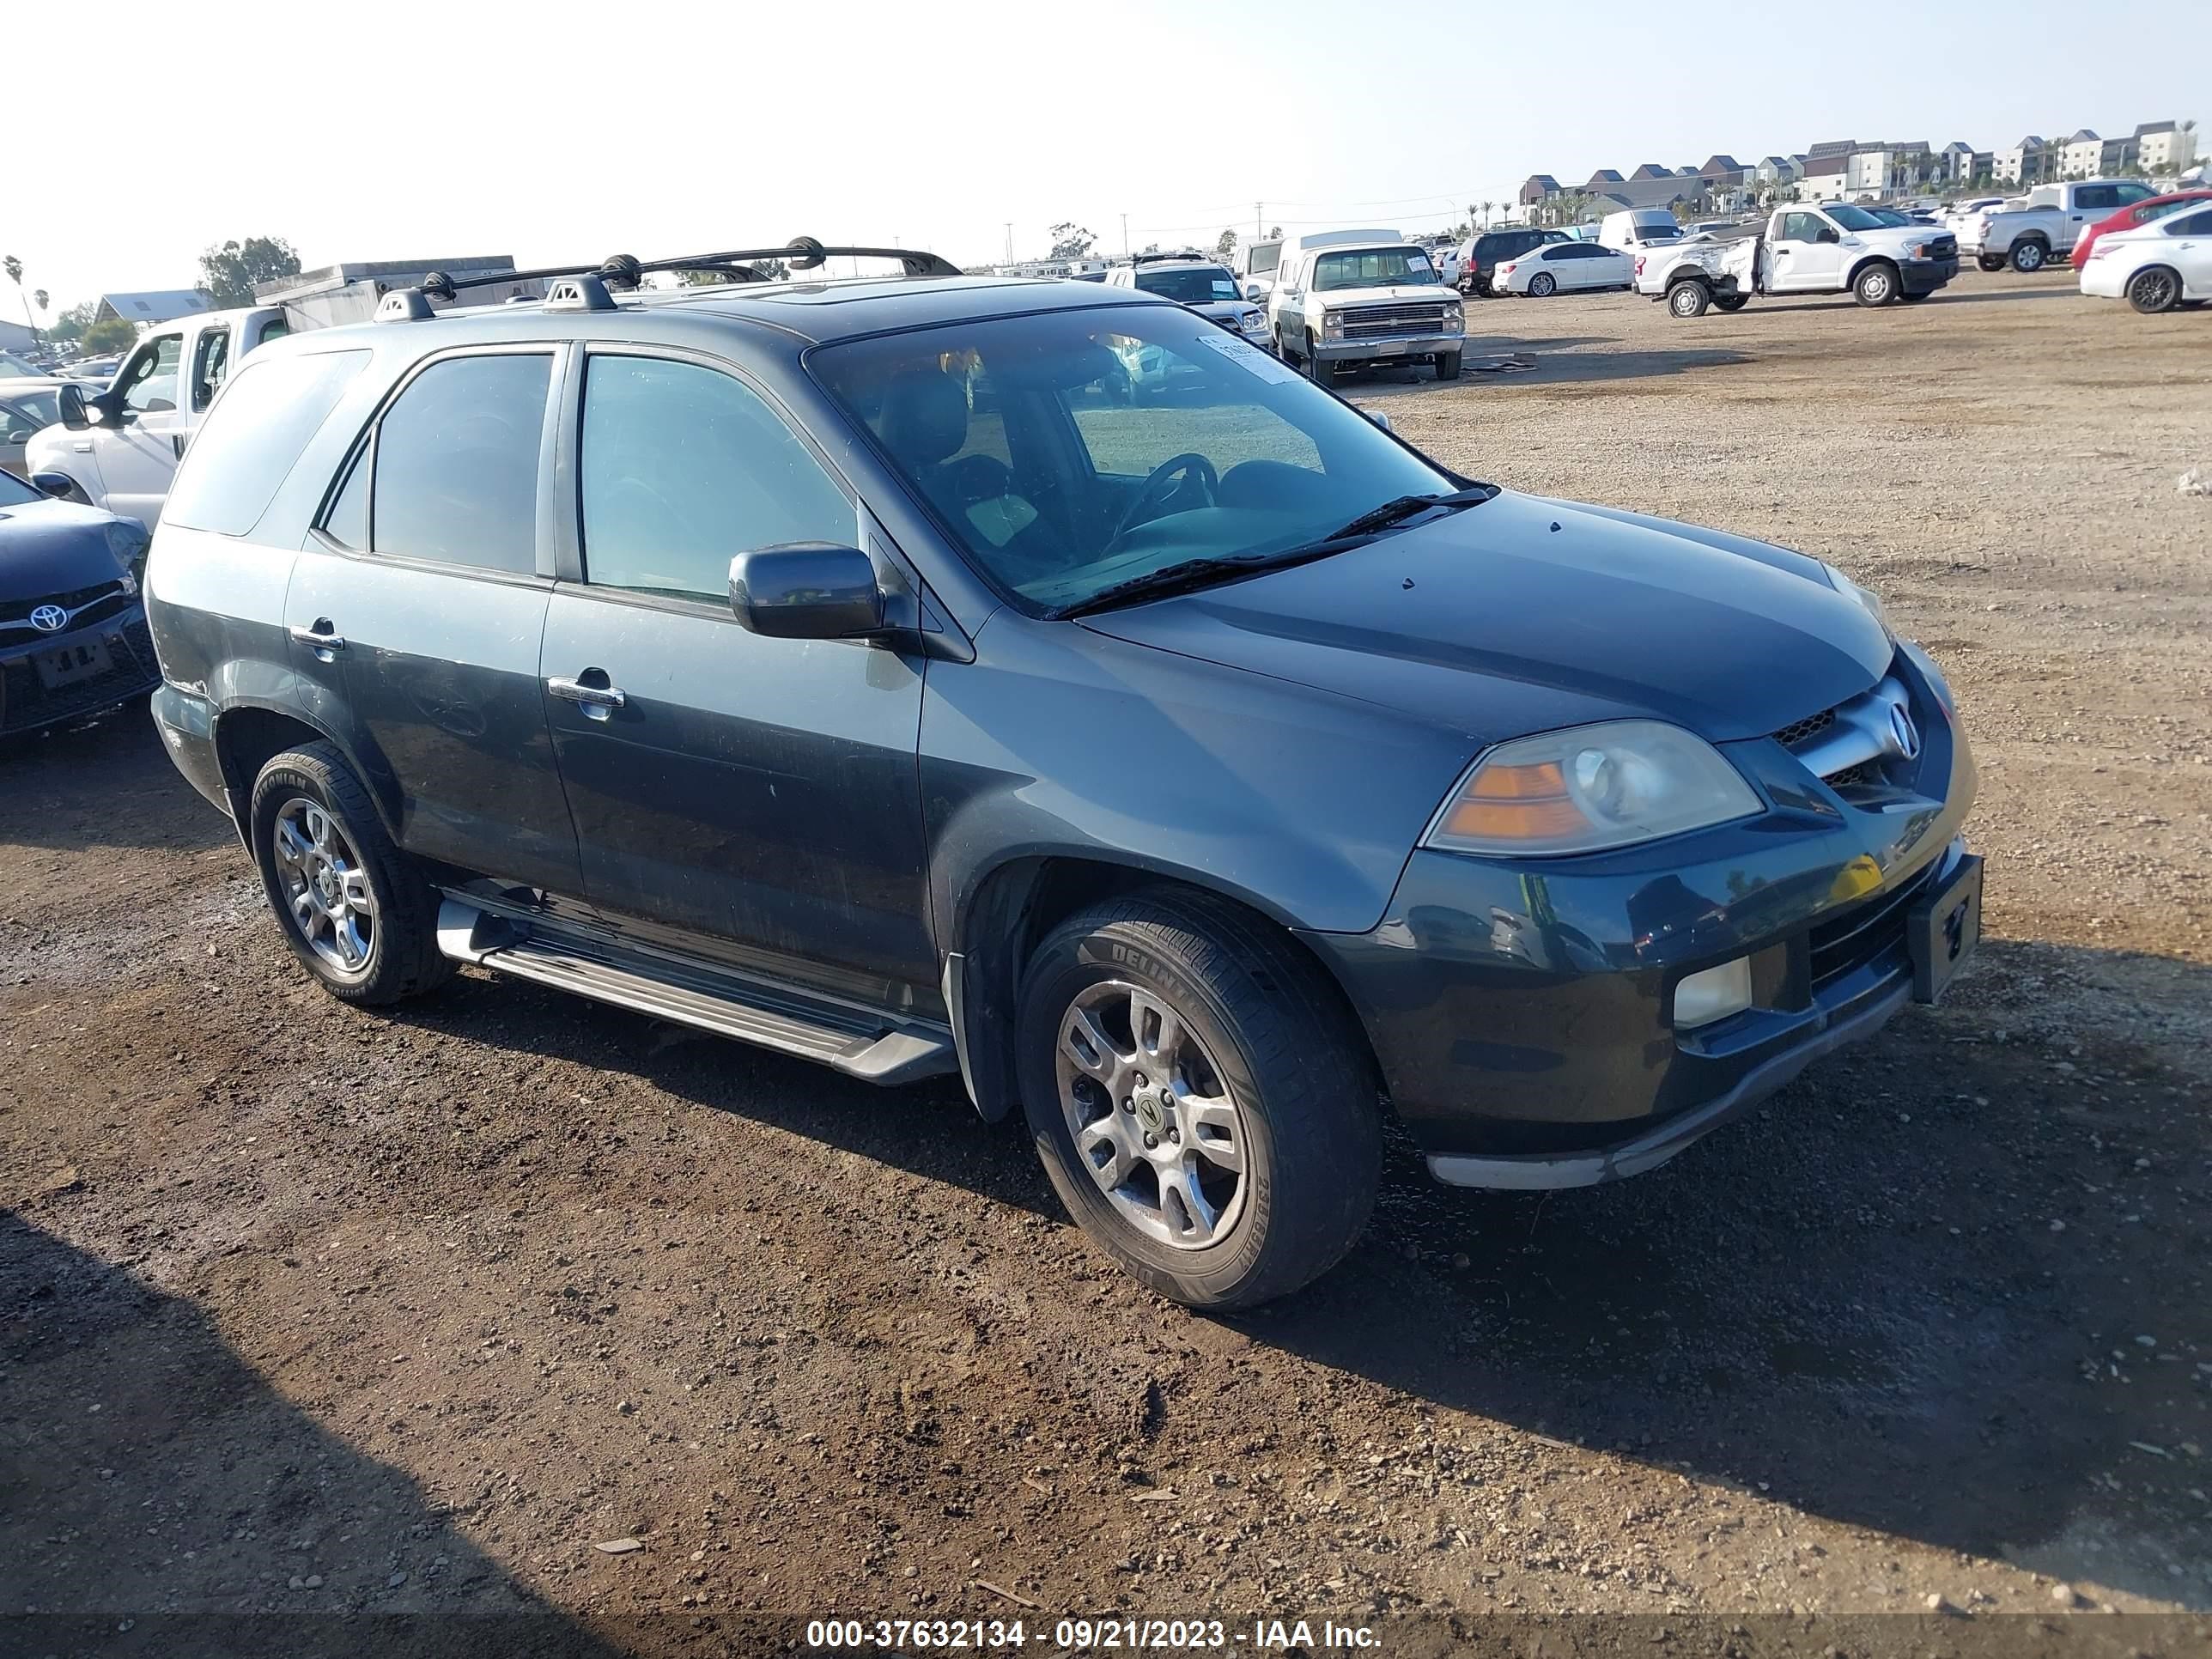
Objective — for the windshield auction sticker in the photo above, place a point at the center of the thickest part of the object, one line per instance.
(1240, 351)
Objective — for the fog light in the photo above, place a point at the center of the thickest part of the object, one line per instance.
(1713, 994)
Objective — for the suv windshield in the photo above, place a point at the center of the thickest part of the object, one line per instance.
(1068, 452)
(1371, 267)
(1191, 285)
(1851, 218)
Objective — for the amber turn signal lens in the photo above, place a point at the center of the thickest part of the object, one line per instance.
(1516, 803)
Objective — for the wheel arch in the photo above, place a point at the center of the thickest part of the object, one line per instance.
(1851, 279)
(249, 734)
(1015, 904)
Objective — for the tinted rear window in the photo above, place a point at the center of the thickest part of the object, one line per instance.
(253, 437)
(455, 462)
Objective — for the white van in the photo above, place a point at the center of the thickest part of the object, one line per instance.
(1258, 262)
(1638, 227)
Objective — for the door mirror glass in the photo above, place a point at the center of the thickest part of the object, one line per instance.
(70, 399)
(56, 484)
(806, 591)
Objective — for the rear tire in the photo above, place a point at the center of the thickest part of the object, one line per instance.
(354, 908)
(1264, 1054)
(1731, 301)
(1877, 285)
(2155, 289)
(1542, 285)
(2029, 256)
(1448, 365)
(1688, 299)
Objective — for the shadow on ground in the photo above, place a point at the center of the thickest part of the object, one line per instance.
(1856, 1298)
(60, 788)
(158, 1495)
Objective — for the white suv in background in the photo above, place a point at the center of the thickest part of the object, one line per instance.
(1203, 284)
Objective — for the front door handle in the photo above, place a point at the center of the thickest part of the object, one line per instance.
(590, 691)
(322, 639)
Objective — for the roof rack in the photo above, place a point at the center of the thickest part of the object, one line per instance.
(591, 288)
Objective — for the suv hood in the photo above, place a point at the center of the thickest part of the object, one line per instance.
(1525, 615)
(1388, 294)
(54, 547)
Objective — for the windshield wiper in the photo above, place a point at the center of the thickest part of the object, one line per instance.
(1402, 507)
(1190, 575)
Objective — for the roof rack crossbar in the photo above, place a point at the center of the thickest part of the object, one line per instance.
(623, 270)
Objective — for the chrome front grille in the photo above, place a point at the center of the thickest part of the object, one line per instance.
(1812, 725)
(1385, 322)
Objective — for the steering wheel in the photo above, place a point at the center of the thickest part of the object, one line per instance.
(1156, 494)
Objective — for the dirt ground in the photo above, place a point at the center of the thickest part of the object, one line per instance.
(347, 1326)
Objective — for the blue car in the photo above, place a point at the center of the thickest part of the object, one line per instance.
(73, 636)
(853, 669)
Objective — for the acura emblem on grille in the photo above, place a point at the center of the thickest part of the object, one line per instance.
(1903, 731)
(48, 618)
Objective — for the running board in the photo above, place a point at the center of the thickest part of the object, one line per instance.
(850, 1040)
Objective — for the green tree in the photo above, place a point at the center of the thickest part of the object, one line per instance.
(109, 335)
(1070, 240)
(72, 322)
(13, 267)
(1225, 246)
(228, 273)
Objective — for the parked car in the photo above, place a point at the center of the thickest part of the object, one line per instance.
(2155, 266)
(1563, 267)
(1340, 305)
(13, 367)
(1836, 247)
(25, 405)
(119, 448)
(1205, 285)
(1480, 256)
(91, 368)
(73, 639)
(2135, 214)
(2029, 238)
(1196, 780)
(1635, 227)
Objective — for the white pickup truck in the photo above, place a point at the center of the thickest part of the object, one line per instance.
(1836, 247)
(119, 449)
(2029, 238)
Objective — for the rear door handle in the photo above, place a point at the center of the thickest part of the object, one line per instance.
(598, 702)
(322, 638)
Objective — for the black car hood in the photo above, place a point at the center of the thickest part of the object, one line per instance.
(1523, 615)
(50, 546)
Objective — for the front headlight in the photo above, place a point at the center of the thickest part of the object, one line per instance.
(1331, 324)
(1455, 319)
(1589, 789)
(127, 540)
(1866, 596)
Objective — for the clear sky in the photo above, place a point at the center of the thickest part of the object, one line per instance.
(556, 132)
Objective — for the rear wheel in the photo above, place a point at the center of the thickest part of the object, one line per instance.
(1688, 299)
(1447, 365)
(1199, 1099)
(1731, 301)
(1542, 284)
(354, 908)
(2029, 255)
(1912, 299)
(1876, 285)
(2155, 289)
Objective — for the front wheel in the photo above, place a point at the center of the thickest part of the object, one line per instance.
(1448, 365)
(1688, 299)
(2154, 290)
(1990, 261)
(1199, 1096)
(1876, 285)
(2029, 257)
(354, 908)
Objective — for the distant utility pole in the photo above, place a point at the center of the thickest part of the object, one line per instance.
(1125, 236)
(1010, 242)
(1256, 232)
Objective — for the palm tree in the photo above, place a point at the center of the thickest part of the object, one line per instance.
(1486, 207)
(13, 267)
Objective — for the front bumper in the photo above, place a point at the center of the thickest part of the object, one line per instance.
(1414, 348)
(44, 678)
(1925, 276)
(1522, 1010)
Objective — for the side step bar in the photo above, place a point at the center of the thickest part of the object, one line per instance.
(870, 1046)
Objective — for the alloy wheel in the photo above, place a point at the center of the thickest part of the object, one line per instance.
(326, 887)
(1151, 1118)
(2154, 290)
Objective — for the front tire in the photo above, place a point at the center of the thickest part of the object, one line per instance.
(1990, 261)
(1448, 365)
(1688, 299)
(1183, 1022)
(355, 909)
(1877, 285)
(2155, 289)
(2029, 257)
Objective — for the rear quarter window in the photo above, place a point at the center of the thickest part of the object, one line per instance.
(252, 438)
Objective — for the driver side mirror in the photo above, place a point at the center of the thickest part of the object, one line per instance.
(56, 484)
(806, 591)
(73, 411)
(1829, 233)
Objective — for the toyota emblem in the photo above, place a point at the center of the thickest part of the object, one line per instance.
(1903, 731)
(48, 618)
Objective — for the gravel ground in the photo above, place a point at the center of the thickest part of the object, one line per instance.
(308, 1311)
